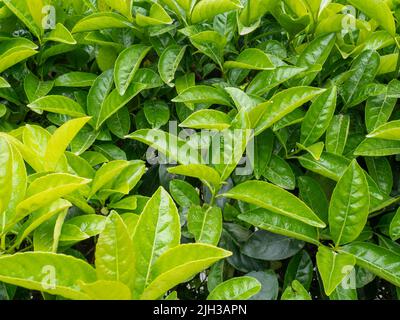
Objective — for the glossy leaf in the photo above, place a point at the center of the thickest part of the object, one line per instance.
(349, 206)
(333, 267)
(205, 224)
(240, 288)
(127, 64)
(36, 271)
(275, 199)
(179, 264)
(157, 231)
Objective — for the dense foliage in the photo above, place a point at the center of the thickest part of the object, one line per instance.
(273, 168)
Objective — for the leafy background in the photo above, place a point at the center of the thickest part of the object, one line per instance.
(84, 84)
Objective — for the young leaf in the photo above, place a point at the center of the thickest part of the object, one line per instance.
(252, 58)
(333, 267)
(207, 119)
(36, 271)
(295, 291)
(157, 230)
(179, 264)
(388, 131)
(60, 140)
(207, 9)
(13, 179)
(114, 252)
(199, 171)
(240, 288)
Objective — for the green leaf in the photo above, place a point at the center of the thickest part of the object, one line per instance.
(300, 268)
(316, 53)
(263, 145)
(378, 260)
(267, 80)
(296, 291)
(98, 92)
(168, 144)
(277, 223)
(349, 206)
(123, 6)
(318, 117)
(329, 165)
(29, 12)
(157, 112)
(13, 179)
(87, 225)
(267, 246)
(157, 230)
(106, 290)
(280, 105)
(205, 223)
(381, 172)
(75, 79)
(269, 284)
(333, 267)
(40, 216)
(115, 102)
(57, 104)
(394, 229)
(60, 140)
(114, 252)
(379, 11)
(184, 193)
(56, 274)
(365, 68)
(35, 89)
(60, 34)
(203, 94)
(207, 119)
(377, 148)
(313, 195)
(157, 15)
(99, 21)
(211, 43)
(273, 198)
(169, 62)
(179, 264)
(378, 110)
(387, 131)
(199, 171)
(337, 133)
(280, 173)
(208, 9)
(14, 51)
(127, 64)
(240, 288)
(252, 58)
(47, 189)
(107, 173)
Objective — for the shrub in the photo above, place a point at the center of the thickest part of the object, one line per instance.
(183, 149)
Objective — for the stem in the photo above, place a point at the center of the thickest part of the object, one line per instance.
(3, 242)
